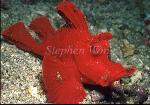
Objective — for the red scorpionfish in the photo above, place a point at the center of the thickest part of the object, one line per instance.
(71, 55)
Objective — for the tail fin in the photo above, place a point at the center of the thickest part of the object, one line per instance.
(42, 27)
(72, 15)
(18, 35)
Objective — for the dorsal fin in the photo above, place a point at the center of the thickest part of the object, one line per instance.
(42, 26)
(72, 15)
(19, 35)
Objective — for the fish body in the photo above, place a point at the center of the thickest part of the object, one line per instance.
(71, 55)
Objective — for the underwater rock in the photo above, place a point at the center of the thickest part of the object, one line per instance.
(95, 96)
(147, 101)
(118, 88)
(136, 94)
(136, 77)
(141, 96)
(127, 48)
(87, 99)
(33, 91)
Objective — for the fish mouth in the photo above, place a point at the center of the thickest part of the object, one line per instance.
(122, 74)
